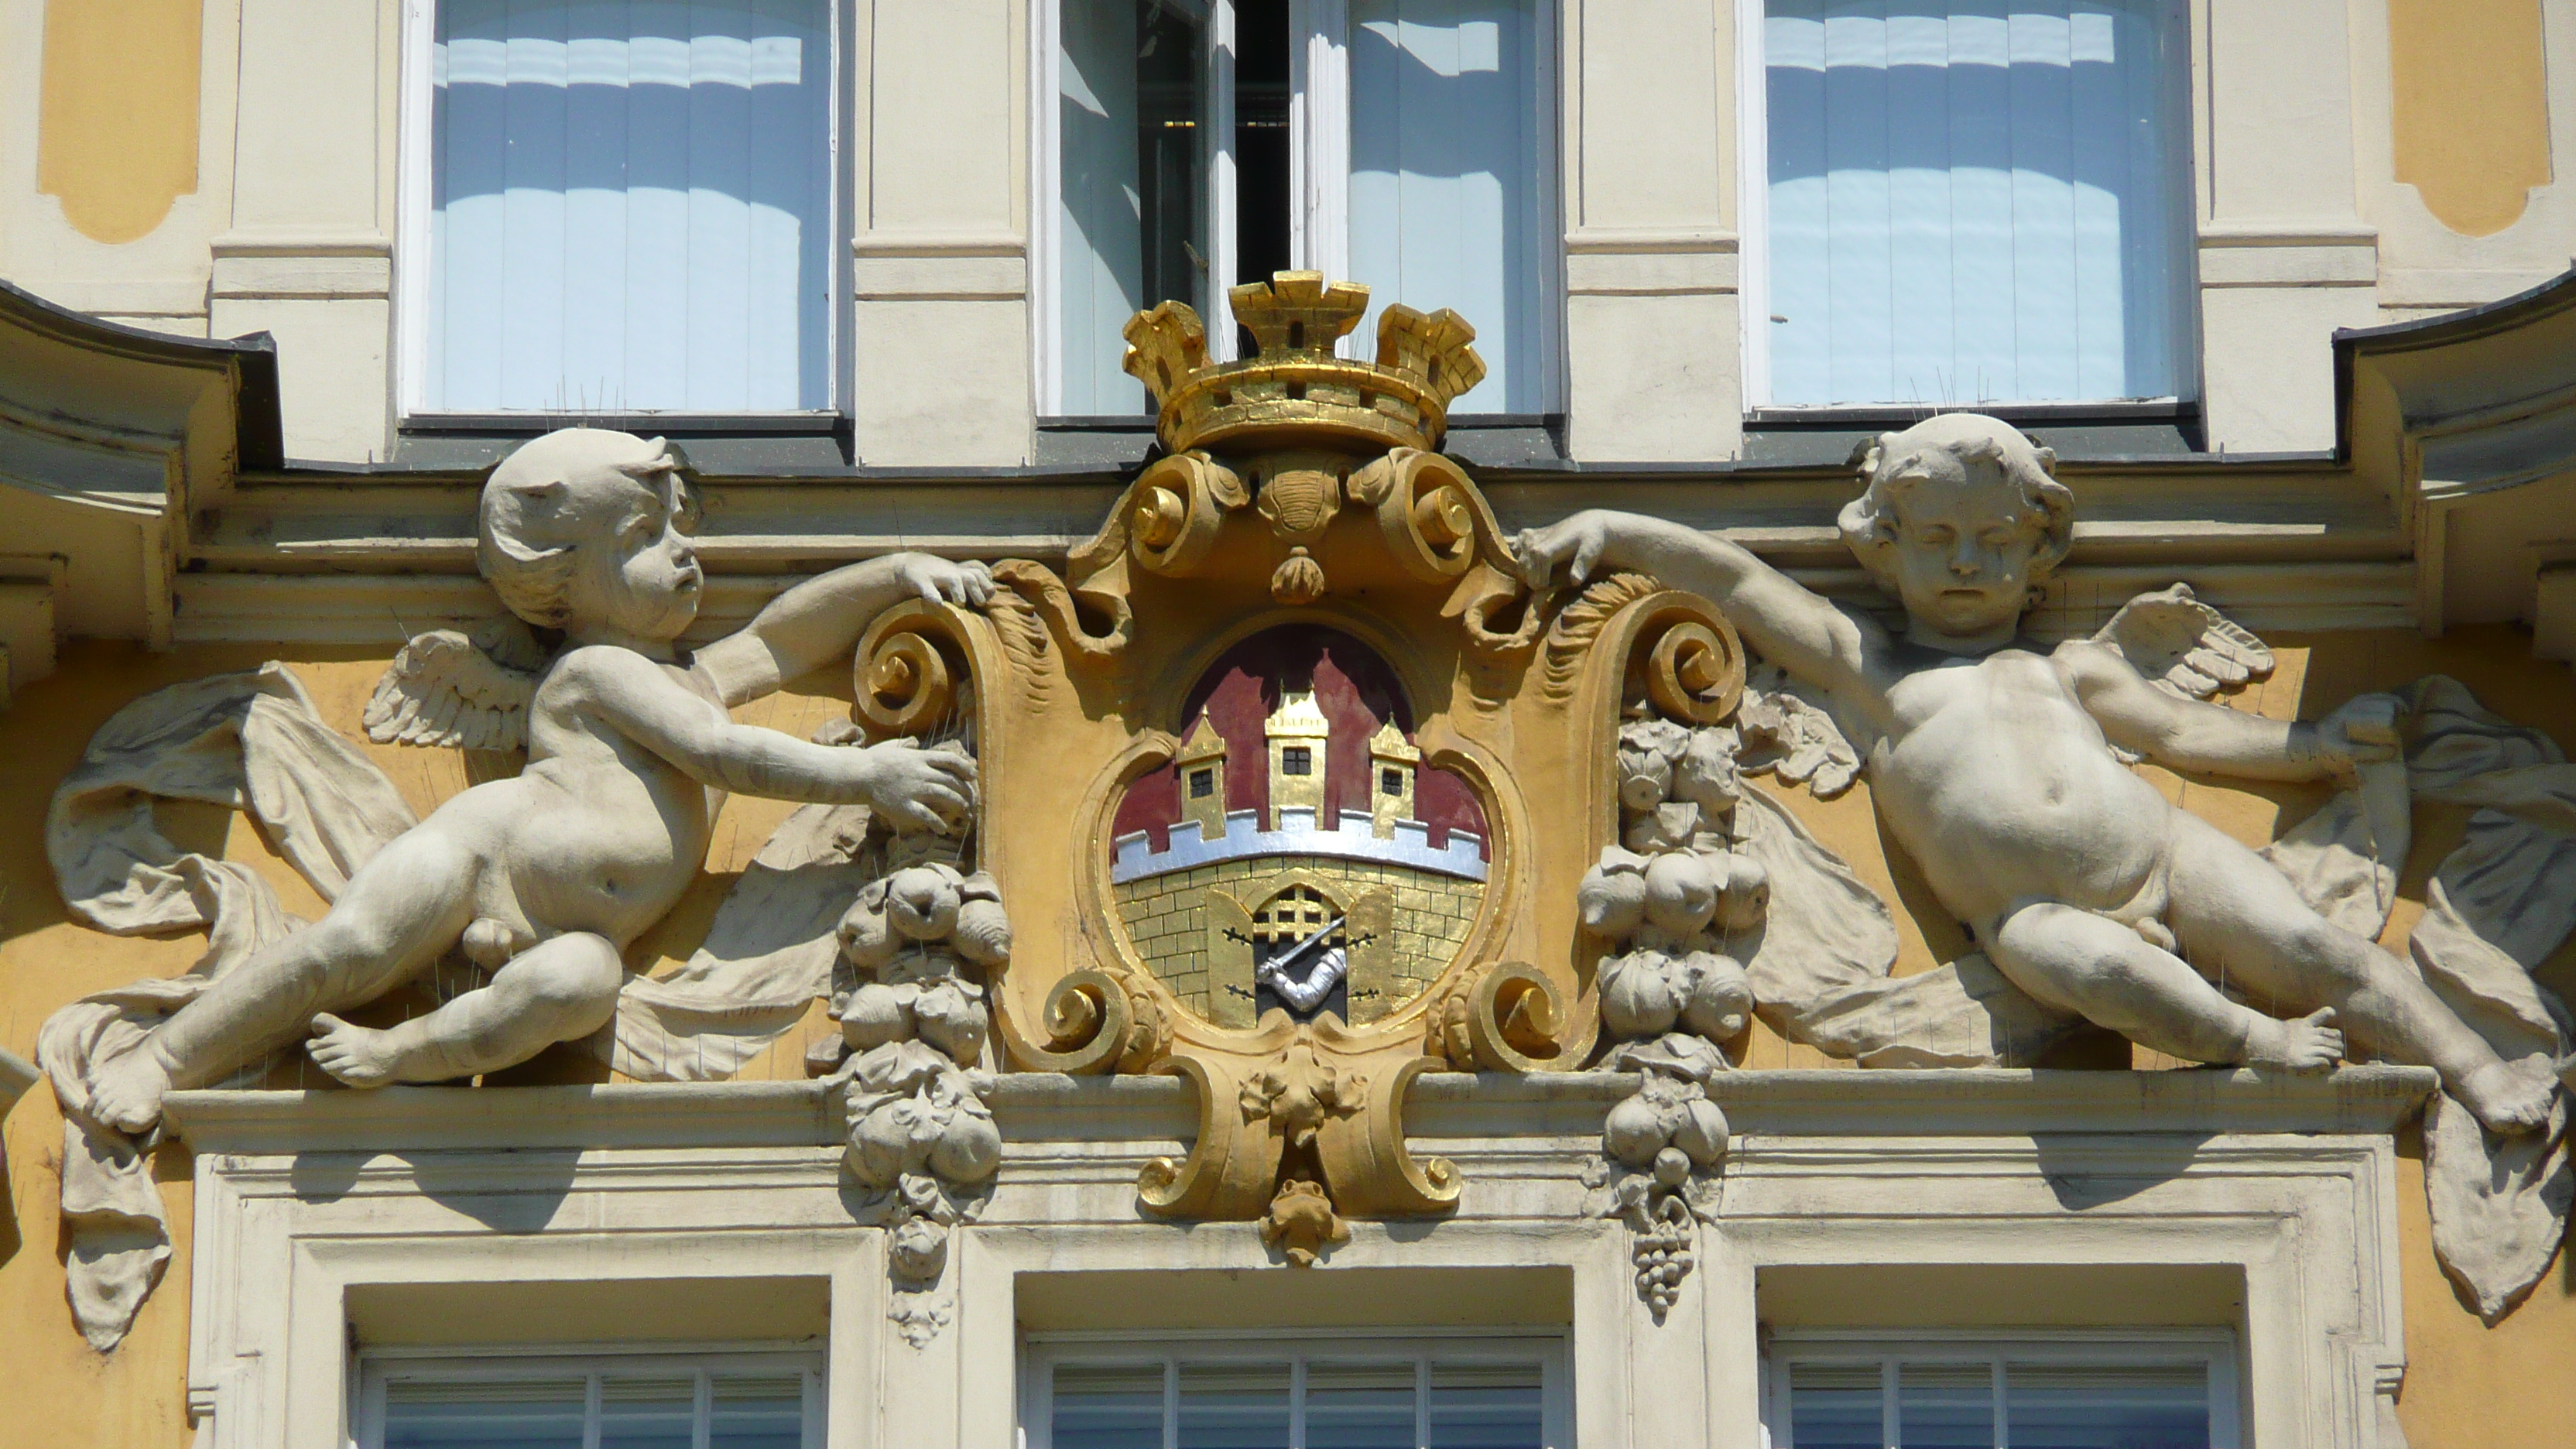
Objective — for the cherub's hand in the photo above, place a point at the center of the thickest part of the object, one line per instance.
(2361, 732)
(940, 580)
(1575, 545)
(928, 789)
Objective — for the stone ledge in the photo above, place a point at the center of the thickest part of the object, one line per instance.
(1051, 1107)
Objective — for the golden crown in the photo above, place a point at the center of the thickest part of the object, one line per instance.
(1295, 390)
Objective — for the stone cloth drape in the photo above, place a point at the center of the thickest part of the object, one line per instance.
(2497, 906)
(253, 742)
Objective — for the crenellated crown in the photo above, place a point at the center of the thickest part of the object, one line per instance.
(1295, 390)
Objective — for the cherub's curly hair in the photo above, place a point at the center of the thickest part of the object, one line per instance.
(528, 546)
(1868, 522)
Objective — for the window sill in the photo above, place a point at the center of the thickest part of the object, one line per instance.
(1494, 440)
(732, 443)
(2078, 431)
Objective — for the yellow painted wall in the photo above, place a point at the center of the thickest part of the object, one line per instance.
(2469, 111)
(117, 131)
(2470, 1387)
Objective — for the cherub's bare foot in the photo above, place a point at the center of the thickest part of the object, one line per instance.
(355, 1054)
(2507, 1101)
(125, 1091)
(2309, 1044)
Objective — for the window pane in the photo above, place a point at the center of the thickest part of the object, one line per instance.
(654, 1413)
(758, 1412)
(1945, 1406)
(1485, 1405)
(528, 1414)
(2050, 1406)
(1108, 1406)
(630, 206)
(1836, 1406)
(1972, 202)
(1448, 123)
(1128, 107)
(1360, 1405)
(1234, 1406)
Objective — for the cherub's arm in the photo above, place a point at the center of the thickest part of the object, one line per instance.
(821, 619)
(630, 694)
(2189, 734)
(1781, 619)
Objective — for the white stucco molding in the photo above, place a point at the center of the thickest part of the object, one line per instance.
(304, 1197)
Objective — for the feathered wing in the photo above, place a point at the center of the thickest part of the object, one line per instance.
(449, 689)
(2183, 646)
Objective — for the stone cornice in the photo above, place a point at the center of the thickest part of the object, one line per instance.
(1049, 1107)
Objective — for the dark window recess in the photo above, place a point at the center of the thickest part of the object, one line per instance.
(1260, 143)
(1296, 760)
(1390, 782)
(1202, 784)
(1168, 72)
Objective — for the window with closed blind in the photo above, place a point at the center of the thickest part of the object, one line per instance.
(537, 1400)
(1967, 202)
(1341, 1391)
(2069, 1389)
(620, 206)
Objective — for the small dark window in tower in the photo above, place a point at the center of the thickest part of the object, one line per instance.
(1202, 784)
(1390, 782)
(1296, 760)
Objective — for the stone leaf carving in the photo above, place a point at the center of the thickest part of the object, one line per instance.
(915, 1019)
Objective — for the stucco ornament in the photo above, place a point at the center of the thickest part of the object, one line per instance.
(924, 1151)
(1997, 766)
(530, 887)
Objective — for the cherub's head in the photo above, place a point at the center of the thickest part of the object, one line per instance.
(1962, 516)
(585, 529)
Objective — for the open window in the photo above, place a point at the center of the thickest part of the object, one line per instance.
(1190, 145)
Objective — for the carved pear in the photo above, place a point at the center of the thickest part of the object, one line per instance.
(1637, 997)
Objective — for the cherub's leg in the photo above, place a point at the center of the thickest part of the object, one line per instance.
(399, 913)
(558, 990)
(2105, 972)
(2234, 913)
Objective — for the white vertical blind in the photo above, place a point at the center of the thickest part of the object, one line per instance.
(1448, 128)
(1977, 201)
(631, 206)
(1100, 267)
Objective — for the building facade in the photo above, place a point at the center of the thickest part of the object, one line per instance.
(1286, 722)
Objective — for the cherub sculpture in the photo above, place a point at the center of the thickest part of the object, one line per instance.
(1991, 760)
(543, 879)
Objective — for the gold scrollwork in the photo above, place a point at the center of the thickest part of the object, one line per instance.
(1507, 1018)
(1176, 509)
(1365, 1159)
(1696, 671)
(902, 679)
(1095, 1024)
(1434, 521)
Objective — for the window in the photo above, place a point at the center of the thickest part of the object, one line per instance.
(1390, 782)
(1967, 202)
(1340, 1392)
(637, 1401)
(1202, 784)
(1194, 144)
(2071, 1389)
(621, 206)
(1296, 760)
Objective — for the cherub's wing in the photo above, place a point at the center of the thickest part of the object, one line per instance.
(448, 689)
(2183, 646)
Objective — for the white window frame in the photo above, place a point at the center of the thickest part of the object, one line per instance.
(1319, 164)
(1753, 239)
(487, 1363)
(411, 259)
(1042, 1352)
(2213, 1348)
